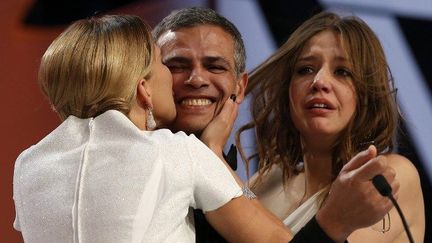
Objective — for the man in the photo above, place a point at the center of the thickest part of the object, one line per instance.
(206, 56)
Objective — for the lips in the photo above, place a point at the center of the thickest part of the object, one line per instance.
(319, 103)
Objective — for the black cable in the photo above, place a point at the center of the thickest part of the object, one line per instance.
(385, 190)
(405, 224)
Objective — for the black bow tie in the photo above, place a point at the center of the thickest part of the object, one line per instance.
(231, 157)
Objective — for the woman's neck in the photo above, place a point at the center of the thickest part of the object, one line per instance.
(317, 167)
(138, 117)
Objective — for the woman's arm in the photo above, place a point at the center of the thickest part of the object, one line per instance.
(244, 220)
(241, 219)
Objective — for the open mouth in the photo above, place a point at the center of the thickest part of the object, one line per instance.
(319, 105)
(196, 102)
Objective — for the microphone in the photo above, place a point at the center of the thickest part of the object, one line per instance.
(385, 190)
(382, 185)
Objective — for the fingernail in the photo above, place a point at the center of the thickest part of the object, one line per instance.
(233, 97)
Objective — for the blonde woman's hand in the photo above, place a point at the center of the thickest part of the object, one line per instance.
(218, 130)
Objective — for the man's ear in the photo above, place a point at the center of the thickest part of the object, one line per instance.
(241, 87)
(144, 94)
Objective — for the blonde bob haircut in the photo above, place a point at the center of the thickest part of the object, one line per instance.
(375, 119)
(96, 64)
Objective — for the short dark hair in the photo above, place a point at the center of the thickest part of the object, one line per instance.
(195, 16)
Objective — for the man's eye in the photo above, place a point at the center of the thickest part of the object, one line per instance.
(305, 70)
(216, 69)
(176, 68)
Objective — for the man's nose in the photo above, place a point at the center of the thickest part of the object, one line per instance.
(197, 79)
(322, 81)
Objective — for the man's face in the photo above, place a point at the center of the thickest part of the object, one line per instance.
(201, 60)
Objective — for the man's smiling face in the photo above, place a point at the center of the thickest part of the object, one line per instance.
(201, 60)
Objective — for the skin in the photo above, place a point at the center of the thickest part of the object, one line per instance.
(322, 78)
(160, 84)
(156, 92)
(322, 103)
(201, 60)
(322, 97)
(410, 199)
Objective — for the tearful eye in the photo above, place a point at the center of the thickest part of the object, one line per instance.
(305, 70)
(343, 72)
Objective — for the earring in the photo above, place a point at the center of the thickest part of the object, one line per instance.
(151, 123)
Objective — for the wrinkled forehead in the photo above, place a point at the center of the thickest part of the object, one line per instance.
(197, 42)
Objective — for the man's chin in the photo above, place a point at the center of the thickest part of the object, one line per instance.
(167, 124)
(191, 127)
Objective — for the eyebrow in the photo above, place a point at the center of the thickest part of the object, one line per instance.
(306, 58)
(313, 58)
(211, 59)
(206, 60)
(177, 59)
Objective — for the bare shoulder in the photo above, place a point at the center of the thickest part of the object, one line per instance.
(405, 170)
(407, 176)
(410, 195)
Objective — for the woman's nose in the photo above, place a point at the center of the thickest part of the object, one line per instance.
(322, 81)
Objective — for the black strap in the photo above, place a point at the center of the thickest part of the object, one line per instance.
(312, 233)
(231, 157)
